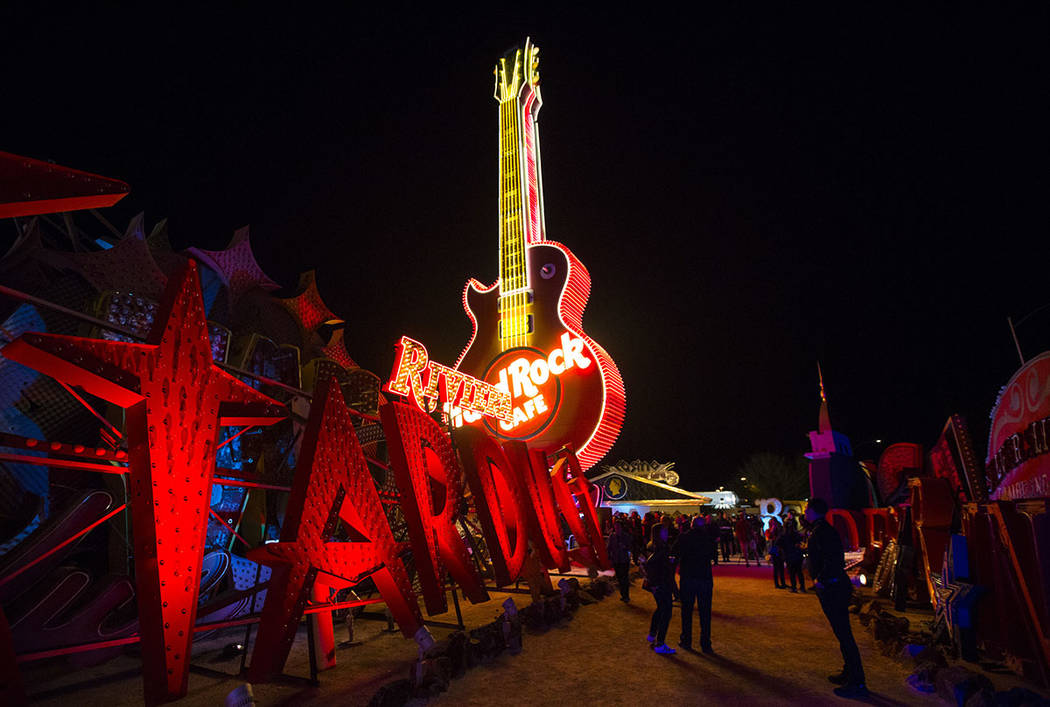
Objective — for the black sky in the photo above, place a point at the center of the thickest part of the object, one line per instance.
(750, 192)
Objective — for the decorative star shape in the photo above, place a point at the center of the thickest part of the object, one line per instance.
(176, 400)
(307, 307)
(129, 265)
(236, 266)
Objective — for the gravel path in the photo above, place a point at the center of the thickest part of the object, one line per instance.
(773, 648)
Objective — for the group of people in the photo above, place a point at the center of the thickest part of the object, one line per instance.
(686, 546)
(786, 552)
(689, 545)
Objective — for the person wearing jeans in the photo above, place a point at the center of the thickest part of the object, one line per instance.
(695, 550)
(791, 547)
(659, 573)
(827, 567)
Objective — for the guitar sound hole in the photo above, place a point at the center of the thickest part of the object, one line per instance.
(547, 271)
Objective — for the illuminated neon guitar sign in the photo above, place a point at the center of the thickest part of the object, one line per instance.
(528, 331)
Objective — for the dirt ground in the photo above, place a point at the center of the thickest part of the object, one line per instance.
(772, 647)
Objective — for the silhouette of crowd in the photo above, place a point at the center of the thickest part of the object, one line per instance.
(674, 554)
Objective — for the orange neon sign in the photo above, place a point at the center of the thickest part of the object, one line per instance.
(428, 383)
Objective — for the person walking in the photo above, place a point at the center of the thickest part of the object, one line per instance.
(695, 549)
(659, 574)
(827, 566)
(619, 546)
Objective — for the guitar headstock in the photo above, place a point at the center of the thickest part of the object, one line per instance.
(512, 73)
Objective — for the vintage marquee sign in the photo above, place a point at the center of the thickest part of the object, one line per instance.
(1018, 461)
(427, 383)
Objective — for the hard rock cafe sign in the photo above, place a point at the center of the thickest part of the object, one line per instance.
(528, 336)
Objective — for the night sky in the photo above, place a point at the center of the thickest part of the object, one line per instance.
(750, 193)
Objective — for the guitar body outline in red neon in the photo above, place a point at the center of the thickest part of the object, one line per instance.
(589, 410)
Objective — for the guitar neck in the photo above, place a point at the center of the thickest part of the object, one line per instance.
(520, 195)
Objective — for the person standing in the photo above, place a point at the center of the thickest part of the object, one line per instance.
(827, 566)
(791, 548)
(695, 549)
(634, 524)
(743, 536)
(715, 533)
(776, 555)
(619, 546)
(648, 521)
(659, 573)
(725, 535)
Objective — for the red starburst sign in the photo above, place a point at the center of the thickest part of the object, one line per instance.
(175, 400)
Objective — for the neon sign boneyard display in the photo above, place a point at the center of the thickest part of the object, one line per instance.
(540, 378)
(176, 400)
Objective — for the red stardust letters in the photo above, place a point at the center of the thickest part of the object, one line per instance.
(422, 458)
(176, 400)
(498, 498)
(534, 477)
(574, 497)
(332, 483)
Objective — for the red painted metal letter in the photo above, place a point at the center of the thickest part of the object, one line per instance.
(431, 484)
(500, 501)
(332, 484)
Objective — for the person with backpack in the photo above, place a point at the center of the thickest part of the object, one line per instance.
(659, 577)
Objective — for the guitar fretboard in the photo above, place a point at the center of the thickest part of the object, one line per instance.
(519, 209)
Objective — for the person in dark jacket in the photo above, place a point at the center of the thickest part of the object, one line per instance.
(634, 526)
(776, 553)
(619, 546)
(695, 549)
(659, 572)
(827, 566)
(725, 535)
(791, 548)
(742, 529)
(715, 532)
